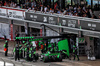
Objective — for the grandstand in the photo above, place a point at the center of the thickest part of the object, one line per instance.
(76, 9)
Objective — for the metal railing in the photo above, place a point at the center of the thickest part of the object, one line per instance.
(59, 15)
(54, 14)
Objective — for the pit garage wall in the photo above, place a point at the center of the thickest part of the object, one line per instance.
(17, 28)
(52, 33)
(5, 30)
(89, 41)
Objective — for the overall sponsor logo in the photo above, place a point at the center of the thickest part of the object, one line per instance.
(31, 16)
(71, 23)
(3, 12)
(45, 19)
(12, 13)
(92, 26)
(15, 14)
(64, 22)
(52, 21)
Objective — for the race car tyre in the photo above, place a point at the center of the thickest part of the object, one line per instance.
(45, 59)
(36, 56)
(60, 58)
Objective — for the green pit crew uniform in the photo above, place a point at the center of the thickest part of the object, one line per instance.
(16, 50)
(6, 48)
(20, 51)
(75, 52)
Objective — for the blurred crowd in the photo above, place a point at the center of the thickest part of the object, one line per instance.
(76, 10)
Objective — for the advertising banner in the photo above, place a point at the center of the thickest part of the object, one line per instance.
(3, 12)
(92, 34)
(73, 24)
(81, 40)
(88, 25)
(68, 22)
(42, 18)
(53, 20)
(12, 13)
(16, 14)
(35, 17)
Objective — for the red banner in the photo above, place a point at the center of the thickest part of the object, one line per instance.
(40, 32)
(11, 31)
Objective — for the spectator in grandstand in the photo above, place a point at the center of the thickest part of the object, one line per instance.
(33, 8)
(14, 4)
(79, 12)
(70, 8)
(38, 4)
(84, 8)
(96, 7)
(82, 11)
(27, 3)
(75, 8)
(45, 9)
(38, 8)
(75, 14)
(11, 4)
(51, 10)
(29, 8)
(59, 11)
(70, 13)
(67, 10)
(41, 8)
(64, 12)
(67, 13)
(33, 3)
(55, 6)
(91, 13)
(18, 6)
(48, 7)
(88, 13)
(24, 6)
(0, 3)
(5, 3)
(85, 15)
(93, 16)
